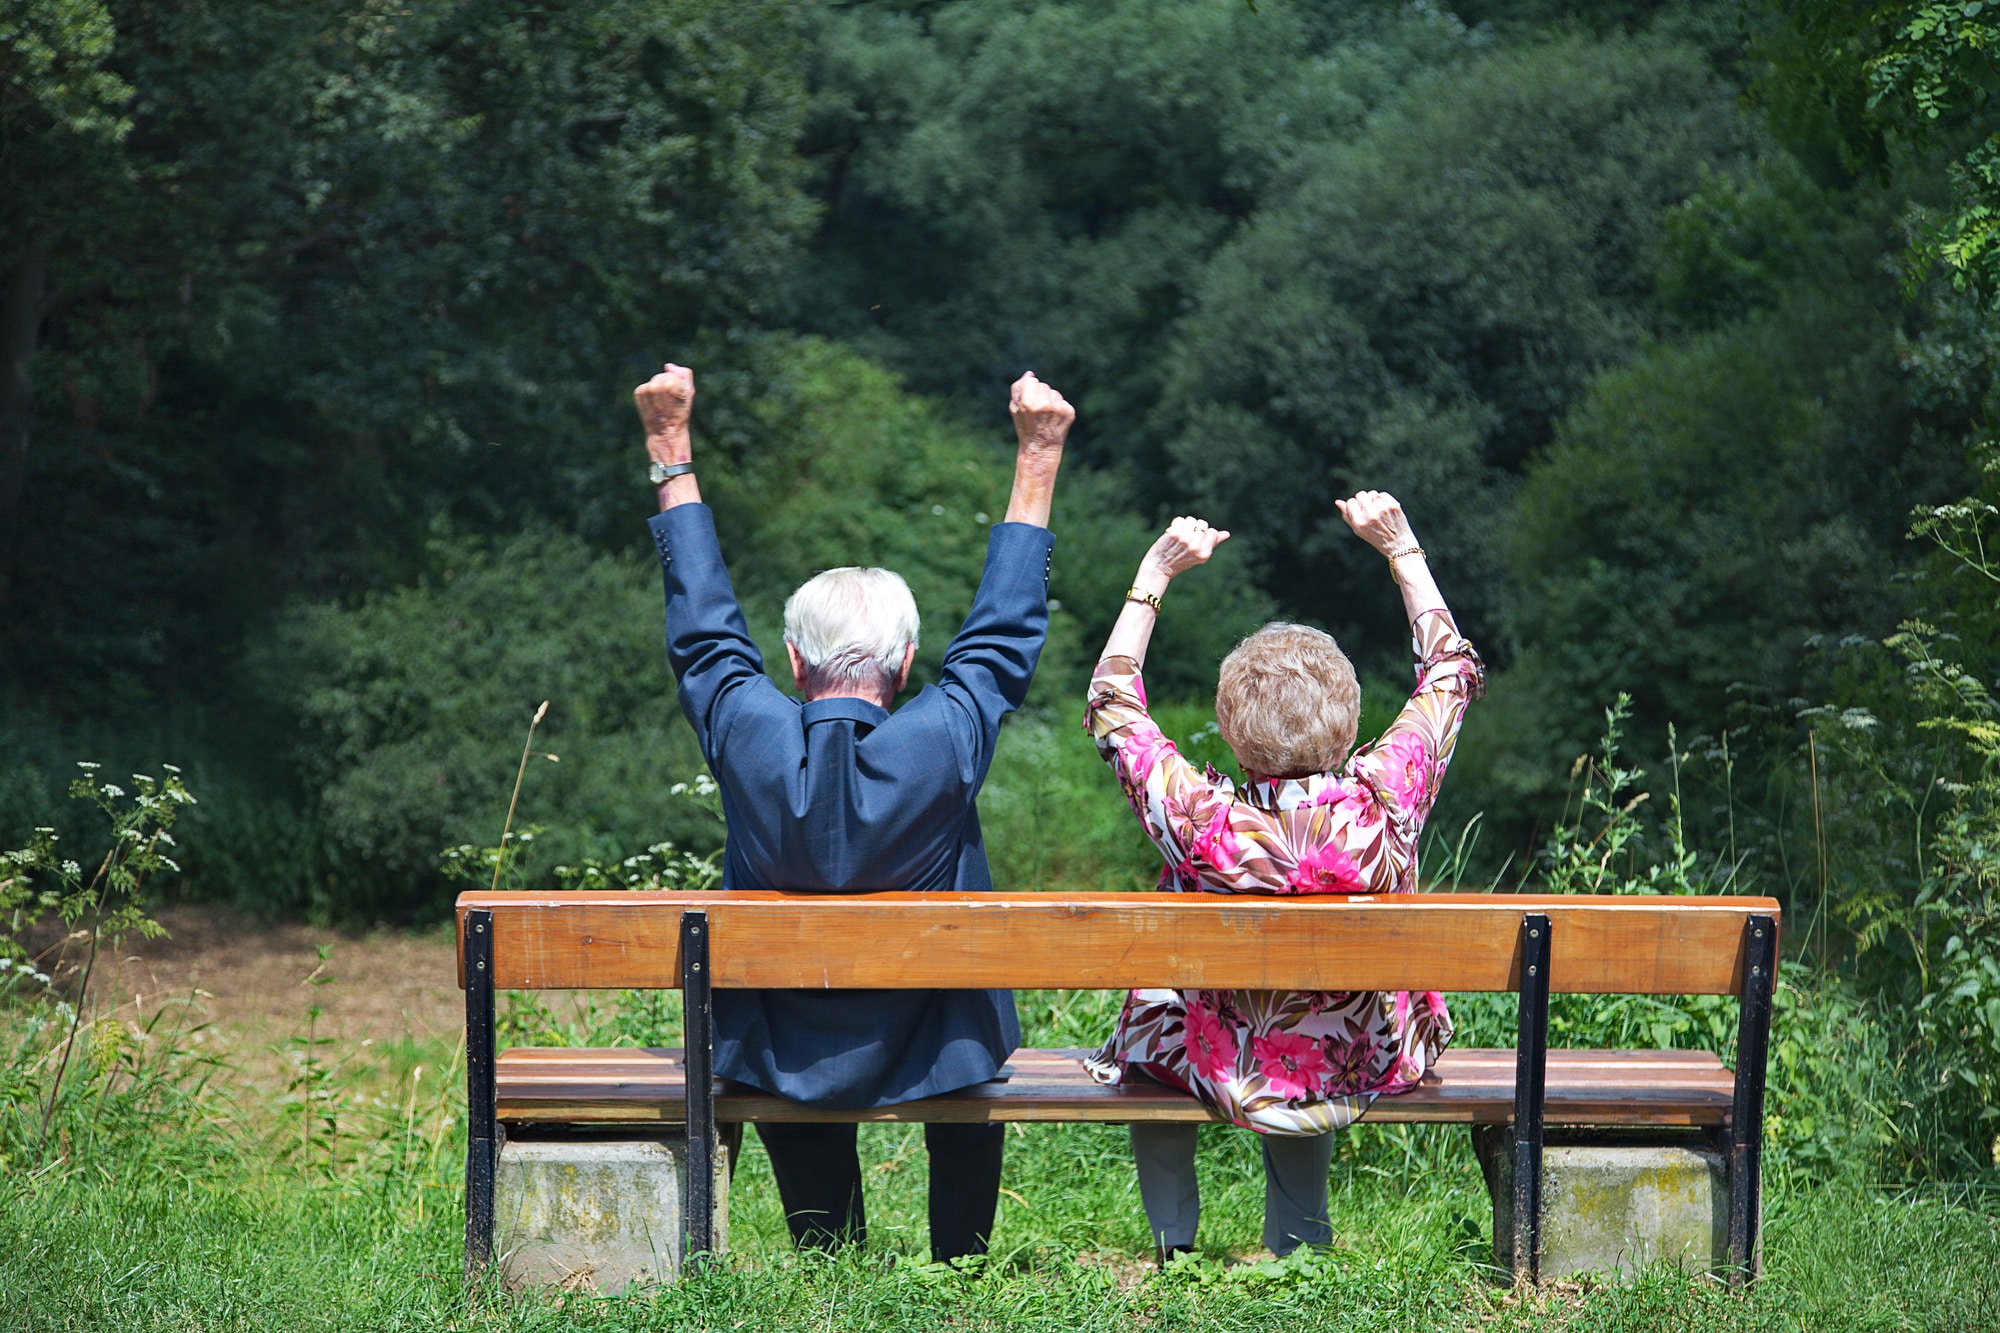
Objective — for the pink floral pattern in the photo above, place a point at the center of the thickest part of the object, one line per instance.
(1278, 1062)
(1211, 1047)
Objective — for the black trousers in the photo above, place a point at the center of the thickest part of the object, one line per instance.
(819, 1180)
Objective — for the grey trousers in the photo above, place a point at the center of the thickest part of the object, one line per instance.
(1294, 1187)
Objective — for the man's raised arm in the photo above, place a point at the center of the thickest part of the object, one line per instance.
(666, 404)
(991, 662)
(1042, 418)
(708, 645)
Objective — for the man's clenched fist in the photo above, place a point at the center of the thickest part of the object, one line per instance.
(1042, 416)
(665, 401)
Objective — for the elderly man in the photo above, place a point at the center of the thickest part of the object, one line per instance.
(832, 792)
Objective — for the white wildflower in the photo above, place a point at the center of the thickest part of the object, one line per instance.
(72, 869)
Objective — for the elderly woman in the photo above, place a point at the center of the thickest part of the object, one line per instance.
(1312, 816)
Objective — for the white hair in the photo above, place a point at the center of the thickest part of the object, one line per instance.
(852, 626)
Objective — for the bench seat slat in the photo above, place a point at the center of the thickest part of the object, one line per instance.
(542, 1085)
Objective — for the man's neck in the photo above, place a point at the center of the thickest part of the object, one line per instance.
(862, 695)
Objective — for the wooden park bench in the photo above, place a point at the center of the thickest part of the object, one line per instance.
(1528, 944)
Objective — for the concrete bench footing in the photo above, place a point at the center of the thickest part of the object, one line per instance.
(1615, 1201)
(596, 1211)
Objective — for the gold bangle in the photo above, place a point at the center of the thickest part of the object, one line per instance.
(1412, 549)
(1138, 594)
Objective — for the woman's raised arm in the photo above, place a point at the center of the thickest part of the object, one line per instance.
(1187, 542)
(1408, 761)
(1378, 519)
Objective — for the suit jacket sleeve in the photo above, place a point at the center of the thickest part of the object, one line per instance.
(990, 664)
(708, 643)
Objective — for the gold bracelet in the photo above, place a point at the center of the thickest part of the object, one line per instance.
(1138, 594)
(1412, 549)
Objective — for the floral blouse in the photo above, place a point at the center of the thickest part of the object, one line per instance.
(1272, 1061)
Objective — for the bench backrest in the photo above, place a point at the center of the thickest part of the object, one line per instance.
(1108, 941)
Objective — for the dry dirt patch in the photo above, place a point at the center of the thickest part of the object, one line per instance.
(255, 982)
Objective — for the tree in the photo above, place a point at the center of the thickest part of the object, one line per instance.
(62, 117)
(1016, 185)
(1426, 299)
(1922, 75)
(363, 264)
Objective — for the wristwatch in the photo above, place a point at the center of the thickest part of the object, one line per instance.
(661, 473)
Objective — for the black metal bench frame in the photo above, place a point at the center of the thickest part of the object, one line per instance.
(1745, 1141)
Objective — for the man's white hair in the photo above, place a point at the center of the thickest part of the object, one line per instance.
(851, 626)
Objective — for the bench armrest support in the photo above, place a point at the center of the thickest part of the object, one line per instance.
(698, 1020)
(1531, 1059)
(1746, 1121)
(482, 1149)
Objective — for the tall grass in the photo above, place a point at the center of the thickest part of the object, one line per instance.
(183, 1205)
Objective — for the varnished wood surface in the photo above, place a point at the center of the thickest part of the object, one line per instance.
(615, 1085)
(1446, 942)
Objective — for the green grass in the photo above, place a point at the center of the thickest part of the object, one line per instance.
(179, 1208)
(222, 1241)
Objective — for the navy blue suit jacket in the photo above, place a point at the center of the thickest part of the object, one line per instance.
(840, 795)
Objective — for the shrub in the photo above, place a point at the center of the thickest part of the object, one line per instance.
(89, 907)
(1913, 749)
(411, 704)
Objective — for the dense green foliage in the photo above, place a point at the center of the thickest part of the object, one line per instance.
(317, 475)
(332, 269)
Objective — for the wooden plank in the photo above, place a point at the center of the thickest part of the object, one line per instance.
(1446, 942)
(1465, 1087)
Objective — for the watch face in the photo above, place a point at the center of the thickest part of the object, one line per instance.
(657, 473)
